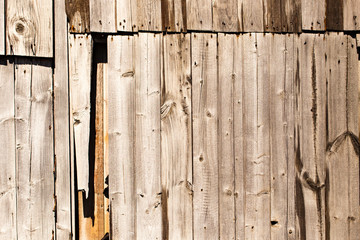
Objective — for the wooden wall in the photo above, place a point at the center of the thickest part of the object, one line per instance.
(176, 119)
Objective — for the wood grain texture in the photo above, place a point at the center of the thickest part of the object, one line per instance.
(103, 16)
(272, 15)
(253, 16)
(199, 15)
(313, 15)
(174, 15)
(80, 57)
(147, 136)
(147, 15)
(121, 97)
(124, 14)
(34, 149)
(29, 28)
(63, 186)
(226, 136)
(78, 14)
(2, 27)
(225, 16)
(176, 138)
(8, 228)
(334, 15)
(205, 141)
(351, 15)
(291, 16)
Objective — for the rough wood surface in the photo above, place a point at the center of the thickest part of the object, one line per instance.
(121, 94)
(253, 16)
(78, 14)
(313, 15)
(173, 15)
(2, 27)
(124, 15)
(176, 138)
(147, 136)
(199, 15)
(147, 14)
(103, 16)
(29, 28)
(8, 207)
(351, 15)
(80, 57)
(63, 186)
(205, 142)
(34, 149)
(225, 16)
(334, 15)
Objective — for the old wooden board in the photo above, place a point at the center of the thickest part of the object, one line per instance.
(199, 15)
(252, 13)
(63, 186)
(121, 105)
(80, 57)
(313, 15)
(147, 136)
(351, 15)
(335, 15)
(78, 14)
(34, 149)
(176, 142)
(173, 15)
(291, 16)
(124, 15)
(205, 152)
(225, 16)
(29, 28)
(103, 16)
(147, 14)
(7, 152)
(2, 27)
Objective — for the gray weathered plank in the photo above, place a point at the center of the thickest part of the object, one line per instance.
(80, 57)
(253, 16)
(2, 27)
(226, 136)
(225, 16)
(34, 149)
(205, 142)
(63, 187)
(103, 16)
(121, 105)
(147, 14)
(29, 28)
(199, 15)
(147, 136)
(173, 15)
(351, 15)
(313, 15)
(7, 152)
(78, 13)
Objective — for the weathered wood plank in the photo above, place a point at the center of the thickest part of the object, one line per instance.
(253, 16)
(310, 161)
(173, 15)
(34, 149)
(176, 142)
(199, 15)
(226, 136)
(124, 15)
(351, 15)
(205, 118)
(238, 136)
(121, 95)
(273, 10)
(313, 15)
(291, 16)
(334, 15)
(2, 27)
(80, 57)
(29, 28)
(148, 15)
(63, 187)
(225, 16)
(147, 136)
(78, 14)
(103, 16)
(7, 152)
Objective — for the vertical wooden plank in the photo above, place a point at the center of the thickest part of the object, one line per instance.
(103, 16)
(2, 27)
(173, 15)
(313, 15)
(272, 15)
(63, 186)
(34, 144)
(121, 95)
(176, 142)
(78, 13)
(351, 15)
(124, 15)
(147, 132)
(29, 28)
(148, 15)
(199, 15)
(205, 118)
(257, 135)
(238, 136)
(253, 16)
(335, 15)
(80, 57)
(7, 152)
(225, 16)
(226, 136)
(311, 158)
(291, 16)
